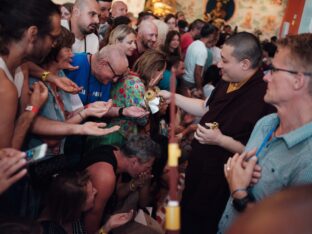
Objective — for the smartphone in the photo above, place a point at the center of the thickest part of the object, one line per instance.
(36, 153)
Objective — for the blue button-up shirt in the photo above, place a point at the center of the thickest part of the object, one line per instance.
(286, 160)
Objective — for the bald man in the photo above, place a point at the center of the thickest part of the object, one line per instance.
(119, 8)
(97, 72)
(146, 39)
(84, 23)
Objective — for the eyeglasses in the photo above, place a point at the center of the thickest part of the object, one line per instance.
(273, 69)
(119, 76)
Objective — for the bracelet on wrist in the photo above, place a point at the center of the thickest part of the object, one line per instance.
(44, 75)
(238, 190)
(86, 106)
(32, 109)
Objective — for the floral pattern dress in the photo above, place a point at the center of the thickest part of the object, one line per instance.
(128, 91)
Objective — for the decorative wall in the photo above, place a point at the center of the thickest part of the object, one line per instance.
(265, 16)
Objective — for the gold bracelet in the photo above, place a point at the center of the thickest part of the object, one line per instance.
(102, 231)
(44, 75)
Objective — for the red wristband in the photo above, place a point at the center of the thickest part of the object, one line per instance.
(32, 109)
(86, 106)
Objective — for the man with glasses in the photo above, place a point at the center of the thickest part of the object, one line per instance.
(95, 75)
(282, 140)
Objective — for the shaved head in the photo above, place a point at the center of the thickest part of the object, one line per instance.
(147, 35)
(85, 16)
(119, 8)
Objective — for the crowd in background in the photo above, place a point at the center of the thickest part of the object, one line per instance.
(92, 83)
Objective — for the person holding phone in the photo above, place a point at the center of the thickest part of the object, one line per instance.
(11, 163)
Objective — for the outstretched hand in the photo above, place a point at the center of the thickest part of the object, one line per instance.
(96, 129)
(117, 220)
(135, 112)
(99, 108)
(64, 83)
(165, 95)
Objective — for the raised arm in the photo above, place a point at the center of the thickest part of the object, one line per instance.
(64, 83)
(14, 130)
(190, 105)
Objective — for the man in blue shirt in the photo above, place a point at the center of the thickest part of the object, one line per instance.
(283, 140)
(95, 74)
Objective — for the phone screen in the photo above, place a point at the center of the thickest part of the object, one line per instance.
(36, 153)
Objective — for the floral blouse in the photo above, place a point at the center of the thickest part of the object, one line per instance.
(128, 91)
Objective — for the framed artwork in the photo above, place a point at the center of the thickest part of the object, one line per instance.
(219, 9)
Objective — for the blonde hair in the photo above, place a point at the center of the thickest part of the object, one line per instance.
(148, 63)
(120, 33)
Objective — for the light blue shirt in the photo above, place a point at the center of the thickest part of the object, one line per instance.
(52, 110)
(285, 161)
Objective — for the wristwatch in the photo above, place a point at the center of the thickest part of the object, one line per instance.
(240, 204)
(120, 112)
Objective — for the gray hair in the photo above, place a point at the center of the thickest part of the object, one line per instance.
(141, 147)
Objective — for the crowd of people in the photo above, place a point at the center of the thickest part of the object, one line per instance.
(92, 83)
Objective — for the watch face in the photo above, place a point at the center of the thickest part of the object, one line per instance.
(240, 204)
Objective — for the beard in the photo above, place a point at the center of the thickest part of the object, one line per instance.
(148, 44)
(39, 53)
(91, 28)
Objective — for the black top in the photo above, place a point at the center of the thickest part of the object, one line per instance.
(51, 227)
(103, 153)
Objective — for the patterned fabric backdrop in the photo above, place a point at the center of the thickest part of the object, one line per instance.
(249, 15)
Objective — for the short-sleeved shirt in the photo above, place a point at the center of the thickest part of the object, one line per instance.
(164, 83)
(90, 44)
(186, 40)
(93, 90)
(285, 160)
(196, 55)
(53, 109)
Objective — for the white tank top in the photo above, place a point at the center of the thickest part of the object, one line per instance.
(18, 79)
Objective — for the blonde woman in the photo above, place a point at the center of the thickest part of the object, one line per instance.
(129, 91)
